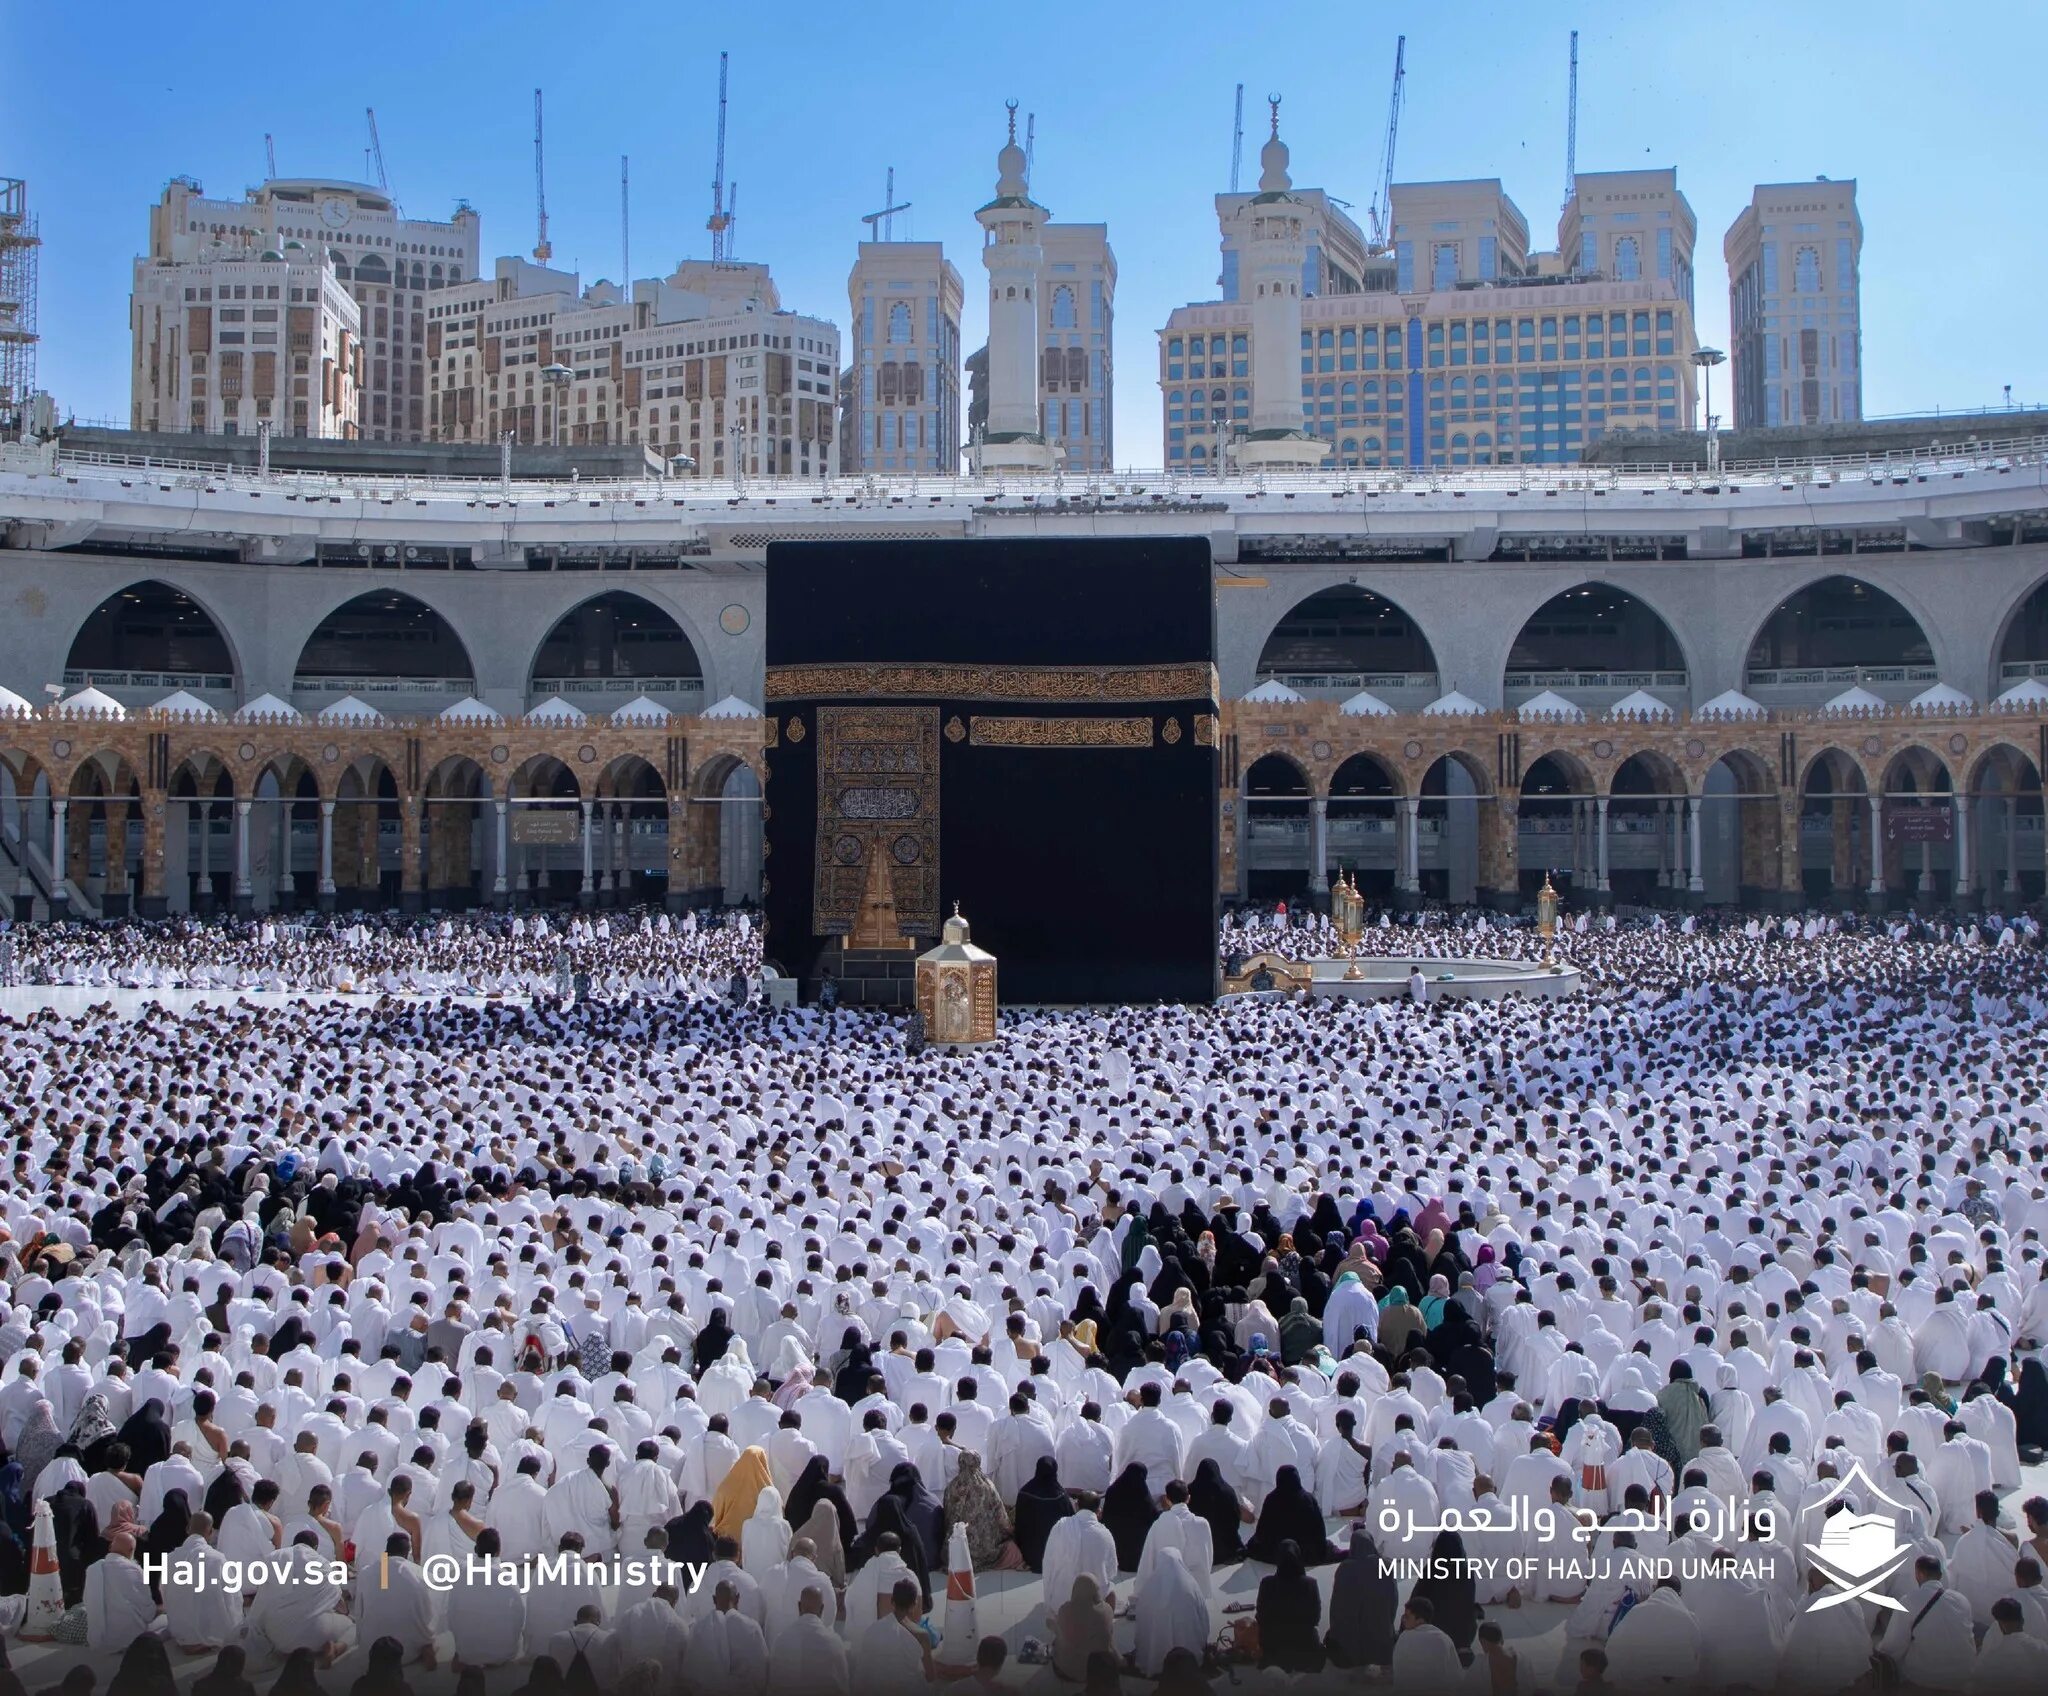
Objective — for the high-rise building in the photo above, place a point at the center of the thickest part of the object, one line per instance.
(903, 413)
(1457, 345)
(228, 345)
(704, 366)
(1795, 316)
(1077, 318)
(391, 264)
(18, 245)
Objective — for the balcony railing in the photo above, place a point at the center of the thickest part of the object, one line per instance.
(2015, 671)
(542, 687)
(1597, 679)
(1352, 680)
(96, 679)
(1797, 677)
(315, 684)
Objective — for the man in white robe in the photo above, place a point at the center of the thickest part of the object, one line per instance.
(1932, 1641)
(118, 1605)
(648, 1498)
(519, 1510)
(2010, 1661)
(585, 1502)
(809, 1656)
(204, 1614)
(1079, 1544)
(727, 1655)
(304, 1613)
(396, 1603)
(487, 1621)
(1425, 1660)
(1656, 1643)
(891, 1655)
(651, 1630)
(1981, 1566)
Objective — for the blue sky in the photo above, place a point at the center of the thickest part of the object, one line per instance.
(1933, 113)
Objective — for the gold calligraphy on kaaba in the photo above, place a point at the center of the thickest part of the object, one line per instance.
(878, 816)
(1023, 683)
(1060, 733)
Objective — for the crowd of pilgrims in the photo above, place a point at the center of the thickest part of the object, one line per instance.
(1168, 1306)
(631, 953)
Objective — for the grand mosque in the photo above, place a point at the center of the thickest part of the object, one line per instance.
(1741, 680)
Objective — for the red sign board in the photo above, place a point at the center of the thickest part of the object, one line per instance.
(1910, 823)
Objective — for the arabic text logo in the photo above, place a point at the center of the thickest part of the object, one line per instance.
(1856, 1552)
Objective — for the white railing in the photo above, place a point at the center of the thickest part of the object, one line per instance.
(2015, 671)
(307, 683)
(1789, 677)
(97, 679)
(1596, 680)
(1353, 680)
(1114, 489)
(542, 687)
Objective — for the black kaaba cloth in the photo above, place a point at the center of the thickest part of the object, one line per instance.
(1027, 728)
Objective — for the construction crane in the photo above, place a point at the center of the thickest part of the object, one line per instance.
(1571, 129)
(882, 225)
(1382, 213)
(720, 220)
(625, 231)
(377, 149)
(269, 154)
(1237, 139)
(543, 249)
(1030, 146)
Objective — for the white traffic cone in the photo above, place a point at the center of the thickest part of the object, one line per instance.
(45, 1587)
(957, 1646)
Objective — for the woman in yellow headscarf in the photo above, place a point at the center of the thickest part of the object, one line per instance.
(732, 1503)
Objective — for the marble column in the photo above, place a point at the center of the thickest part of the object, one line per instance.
(1318, 845)
(1877, 846)
(326, 891)
(587, 896)
(1694, 882)
(244, 898)
(500, 891)
(60, 902)
(1964, 870)
(1600, 842)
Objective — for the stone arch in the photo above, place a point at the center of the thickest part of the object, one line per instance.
(102, 809)
(2020, 648)
(1918, 810)
(1834, 826)
(368, 833)
(287, 790)
(380, 638)
(1554, 816)
(1363, 829)
(617, 643)
(633, 800)
(2004, 792)
(546, 827)
(1742, 834)
(1842, 629)
(199, 845)
(1451, 795)
(1345, 637)
(1598, 642)
(719, 859)
(152, 637)
(1645, 818)
(458, 834)
(1275, 854)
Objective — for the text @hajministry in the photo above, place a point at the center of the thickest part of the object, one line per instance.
(438, 1572)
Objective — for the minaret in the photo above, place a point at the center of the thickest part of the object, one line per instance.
(1272, 238)
(1013, 440)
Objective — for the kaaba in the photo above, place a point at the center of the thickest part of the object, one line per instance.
(1027, 729)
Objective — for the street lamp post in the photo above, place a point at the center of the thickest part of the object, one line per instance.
(556, 379)
(1706, 358)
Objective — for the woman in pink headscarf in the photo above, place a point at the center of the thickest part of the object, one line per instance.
(1485, 1269)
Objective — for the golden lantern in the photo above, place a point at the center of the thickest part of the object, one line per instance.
(1547, 904)
(956, 989)
(1347, 908)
